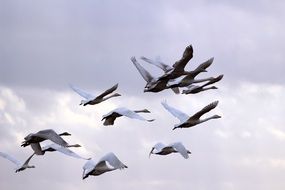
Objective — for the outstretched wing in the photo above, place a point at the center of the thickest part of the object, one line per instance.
(157, 63)
(129, 113)
(109, 91)
(11, 158)
(113, 160)
(82, 93)
(180, 148)
(175, 112)
(144, 73)
(51, 135)
(63, 150)
(28, 160)
(204, 110)
(187, 55)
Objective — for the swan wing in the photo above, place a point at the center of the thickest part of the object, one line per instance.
(129, 113)
(37, 148)
(51, 135)
(157, 63)
(28, 160)
(175, 112)
(204, 110)
(109, 91)
(88, 167)
(144, 73)
(113, 160)
(64, 150)
(11, 158)
(179, 147)
(187, 55)
(82, 93)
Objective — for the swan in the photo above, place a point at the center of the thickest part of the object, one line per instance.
(55, 147)
(91, 99)
(190, 76)
(175, 147)
(48, 134)
(122, 111)
(193, 89)
(190, 121)
(107, 163)
(152, 84)
(20, 166)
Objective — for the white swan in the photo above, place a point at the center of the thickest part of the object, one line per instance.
(102, 166)
(91, 99)
(122, 111)
(162, 149)
(48, 134)
(190, 121)
(20, 166)
(193, 89)
(152, 84)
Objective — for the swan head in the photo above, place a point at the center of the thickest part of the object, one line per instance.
(214, 87)
(82, 102)
(116, 94)
(75, 145)
(177, 126)
(145, 111)
(64, 134)
(216, 116)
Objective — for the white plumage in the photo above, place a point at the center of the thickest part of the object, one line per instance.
(122, 111)
(107, 163)
(161, 149)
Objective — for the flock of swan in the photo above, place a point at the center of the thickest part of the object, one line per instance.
(174, 77)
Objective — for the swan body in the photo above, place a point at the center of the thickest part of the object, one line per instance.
(19, 165)
(190, 121)
(91, 99)
(176, 147)
(122, 111)
(107, 163)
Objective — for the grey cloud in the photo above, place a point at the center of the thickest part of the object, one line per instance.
(90, 43)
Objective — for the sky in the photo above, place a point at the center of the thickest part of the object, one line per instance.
(47, 45)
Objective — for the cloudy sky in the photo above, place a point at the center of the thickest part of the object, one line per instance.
(47, 45)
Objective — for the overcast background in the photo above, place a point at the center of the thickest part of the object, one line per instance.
(47, 45)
